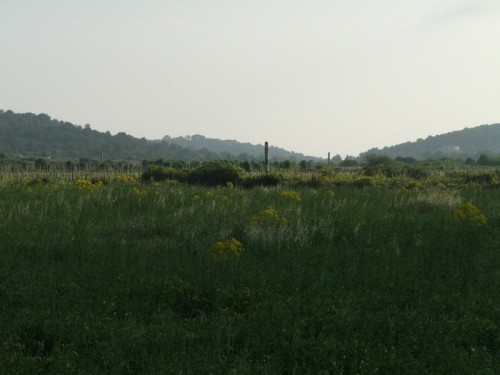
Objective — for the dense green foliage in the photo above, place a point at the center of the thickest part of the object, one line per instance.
(215, 173)
(211, 173)
(134, 278)
(160, 173)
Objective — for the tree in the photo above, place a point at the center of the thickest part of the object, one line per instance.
(40, 164)
(245, 165)
(288, 164)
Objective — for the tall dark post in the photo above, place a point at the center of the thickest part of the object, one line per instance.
(266, 157)
(328, 157)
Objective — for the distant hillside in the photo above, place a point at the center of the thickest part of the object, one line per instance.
(39, 136)
(462, 144)
(232, 147)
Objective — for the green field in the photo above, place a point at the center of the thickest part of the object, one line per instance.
(128, 278)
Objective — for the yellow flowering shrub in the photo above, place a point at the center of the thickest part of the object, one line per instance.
(293, 195)
(225, 249)
(269, 216)
(468, 213)
(84, 183)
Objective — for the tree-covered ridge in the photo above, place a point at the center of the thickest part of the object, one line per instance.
(31, 135)
(462, 144)
(229, 147)
(39, 136)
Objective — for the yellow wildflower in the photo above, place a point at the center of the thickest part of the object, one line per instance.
(83, 183)
(138, 192)
(470, 214)
(293, 195)
(225, 249)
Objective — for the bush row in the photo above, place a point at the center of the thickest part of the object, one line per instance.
(211, 173)
(222, 173)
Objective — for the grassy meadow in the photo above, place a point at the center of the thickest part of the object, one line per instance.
(170, 278)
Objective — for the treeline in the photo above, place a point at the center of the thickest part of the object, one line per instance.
(83, 165)
(228, 148)
(486, 159)
(92, 165)
(373, 170)
(372, 164)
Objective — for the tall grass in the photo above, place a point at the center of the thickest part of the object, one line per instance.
(120, 279)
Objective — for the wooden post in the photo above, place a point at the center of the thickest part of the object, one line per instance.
(266, 157)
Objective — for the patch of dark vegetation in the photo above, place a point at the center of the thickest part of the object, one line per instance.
(36, 341)
(263, 180)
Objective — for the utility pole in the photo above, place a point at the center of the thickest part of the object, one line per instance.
(266, 157)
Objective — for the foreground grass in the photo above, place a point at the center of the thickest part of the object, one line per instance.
(143, 279)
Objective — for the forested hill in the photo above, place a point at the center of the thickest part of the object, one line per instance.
(462, 144)
(39, 136)
(232, 147)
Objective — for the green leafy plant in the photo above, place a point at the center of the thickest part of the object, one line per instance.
(215, 173)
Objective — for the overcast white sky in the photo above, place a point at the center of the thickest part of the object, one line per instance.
(311, 76)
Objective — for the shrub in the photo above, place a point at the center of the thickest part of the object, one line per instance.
(160, 173)
(485, 178)
(265, 180)
(381, 165)
(473, 178)
(349, 163)
(418, 173)
(469, 213)
(292, 195)
(225, 249)
(214, 173)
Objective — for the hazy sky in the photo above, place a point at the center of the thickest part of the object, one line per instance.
(309, 76)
